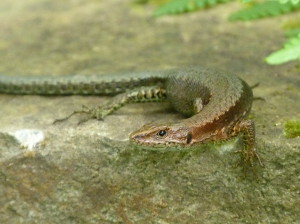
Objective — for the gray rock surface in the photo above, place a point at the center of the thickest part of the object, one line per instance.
(90, 173)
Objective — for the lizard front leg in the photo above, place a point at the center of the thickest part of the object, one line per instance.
(247, 128)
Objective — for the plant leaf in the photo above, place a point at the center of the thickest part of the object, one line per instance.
(265, 9)
(293, 32)
(290, 51)
(183, 6)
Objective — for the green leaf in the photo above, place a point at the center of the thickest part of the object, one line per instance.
(265, 9)
(290, 51)
(293, 32)
(183, 6)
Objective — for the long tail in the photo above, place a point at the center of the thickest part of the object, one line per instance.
(76, 84)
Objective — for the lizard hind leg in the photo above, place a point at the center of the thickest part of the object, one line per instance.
(142, 94)
(83, 110)
(249, 154)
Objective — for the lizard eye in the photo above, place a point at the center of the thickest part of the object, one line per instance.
(161, 133)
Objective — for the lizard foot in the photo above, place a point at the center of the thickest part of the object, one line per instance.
(248, 157)
(251, 155)
(98, 113)
(85, 110)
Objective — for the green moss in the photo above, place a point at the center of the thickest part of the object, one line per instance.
(291, 129)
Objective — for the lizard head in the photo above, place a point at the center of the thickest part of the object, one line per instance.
(161, 135)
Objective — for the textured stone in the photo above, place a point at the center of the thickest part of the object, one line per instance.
(90, 173)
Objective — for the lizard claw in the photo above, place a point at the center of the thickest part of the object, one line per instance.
(249, 157)
(84, 109)
(63, 119)
(256, 156)
(84, 120)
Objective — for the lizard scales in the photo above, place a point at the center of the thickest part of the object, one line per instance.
(216, 103)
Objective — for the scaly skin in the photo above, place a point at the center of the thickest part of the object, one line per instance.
(215, 102)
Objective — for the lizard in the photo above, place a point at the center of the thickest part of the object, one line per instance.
(216, 103)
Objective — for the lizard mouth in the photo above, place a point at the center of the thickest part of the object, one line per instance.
(160, 146)
(168, 146)
(154, 144)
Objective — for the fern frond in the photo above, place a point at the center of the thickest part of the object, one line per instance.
(265, 9)
(152, 2)
(182, 6)
(290, 51)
